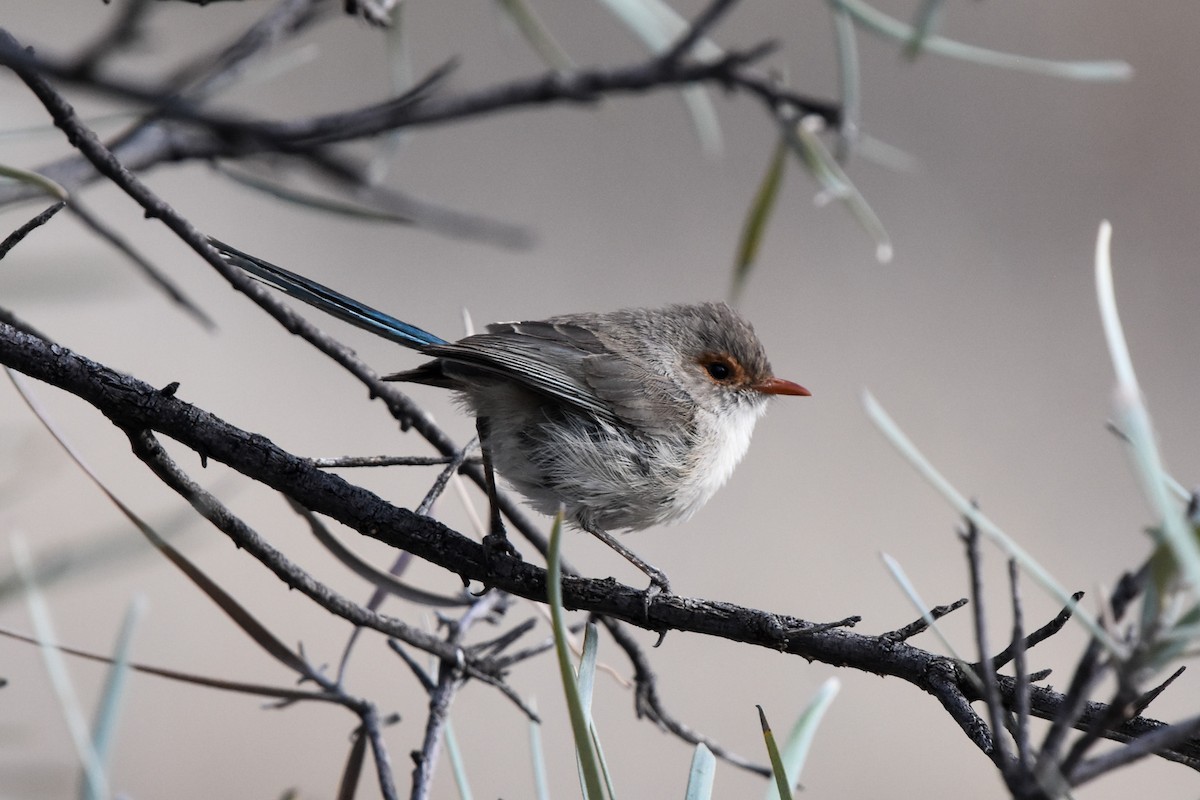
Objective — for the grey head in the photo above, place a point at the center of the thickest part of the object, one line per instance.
(707, 349)
(647, 368)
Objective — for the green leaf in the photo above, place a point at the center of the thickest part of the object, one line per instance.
(537, 34)
(845, 40)
(758, 216)
(587, 683)
(592, 783)
(884, 25)
(803, 136)
(537, 754)
(104, 723)
(47, 185)
(924, 21)
(457, 766)
(782, 785)
(1134, 418)
(95, 776)
(901, 578)
(400, 80)
(795, 751)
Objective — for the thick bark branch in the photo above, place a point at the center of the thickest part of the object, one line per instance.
(132, 404)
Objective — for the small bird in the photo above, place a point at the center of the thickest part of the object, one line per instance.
(625, 419)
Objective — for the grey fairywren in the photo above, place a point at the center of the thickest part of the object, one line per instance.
(626, 419)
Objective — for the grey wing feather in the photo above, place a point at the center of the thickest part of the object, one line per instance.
(544, 356)
(641, 397)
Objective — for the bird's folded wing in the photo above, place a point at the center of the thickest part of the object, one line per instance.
(536, 355)
(642, 397)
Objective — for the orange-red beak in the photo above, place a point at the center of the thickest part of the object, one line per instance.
(780, 386)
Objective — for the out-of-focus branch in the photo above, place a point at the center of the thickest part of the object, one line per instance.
(181, 129)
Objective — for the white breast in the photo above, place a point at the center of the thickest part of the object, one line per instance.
(730, 438)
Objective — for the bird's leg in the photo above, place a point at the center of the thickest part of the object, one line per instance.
(658, 578)
(496, 540)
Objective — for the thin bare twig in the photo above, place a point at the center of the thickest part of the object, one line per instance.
(1040, 635)
(991, 694)
(920, 624)
(15, 238)
(1143, 702)
(705, 21)
(153, 273)
(1018, 645)
(1154, 743)
(347, 462)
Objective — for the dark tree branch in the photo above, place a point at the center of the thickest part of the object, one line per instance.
(920, 624)
(15, 238)
(946, 683)
(1021, 679)
(283, 694)
(1143, 702)
(347, 462)
(133, 405)
(1120, 709)
(1040, 635)
(1088, 672)
(126, 29)
(580, 87)
(147, 448)
(451, 676)
(991, 694)
(1157, 742)
(701, 25)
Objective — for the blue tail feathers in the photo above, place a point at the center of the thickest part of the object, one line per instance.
(333, 303)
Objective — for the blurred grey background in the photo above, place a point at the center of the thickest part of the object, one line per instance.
(981, 338)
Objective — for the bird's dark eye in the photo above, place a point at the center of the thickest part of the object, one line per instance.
(719, 370)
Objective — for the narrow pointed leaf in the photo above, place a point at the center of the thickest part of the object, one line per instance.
(47, 185)
(95, 777)
(701, 774)
(537, 755)
(795, 751)
(777, 769)
(884, 25)
(1135, 420)
(914, 597)
(805, 141)
(759, 214)
(457, 766)
(924, 21)
(104, 723)
(536, 34)
(592, 783)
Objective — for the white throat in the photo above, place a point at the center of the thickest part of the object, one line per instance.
(728, 438)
